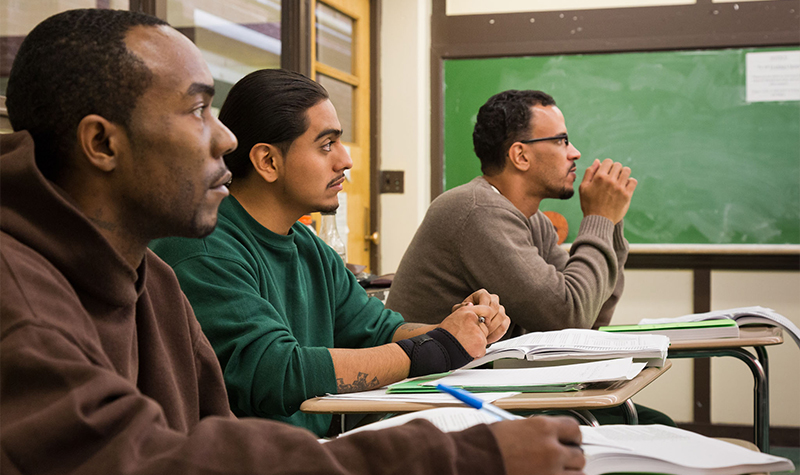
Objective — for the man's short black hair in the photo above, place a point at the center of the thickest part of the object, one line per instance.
(267, 106)
(503, 120)
(71, 65)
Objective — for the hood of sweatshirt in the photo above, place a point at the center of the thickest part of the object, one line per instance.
(37, 213)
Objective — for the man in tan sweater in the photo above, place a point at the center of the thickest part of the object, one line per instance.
(490, 233)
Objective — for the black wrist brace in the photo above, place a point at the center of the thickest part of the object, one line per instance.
(434, 352)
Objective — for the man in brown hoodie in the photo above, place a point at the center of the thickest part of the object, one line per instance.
(103, 367)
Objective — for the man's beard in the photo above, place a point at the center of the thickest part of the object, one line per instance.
(329, 209)
(566, 193)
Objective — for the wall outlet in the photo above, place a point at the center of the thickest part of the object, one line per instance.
(392, 181)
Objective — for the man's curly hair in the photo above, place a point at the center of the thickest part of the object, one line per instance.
(504, 119)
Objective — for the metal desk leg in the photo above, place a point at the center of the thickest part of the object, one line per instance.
(585, 417)
(760, 389)
(629, 411)
(761, 356)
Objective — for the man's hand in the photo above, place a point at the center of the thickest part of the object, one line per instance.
(606, 190)
(477, 321)
(543, 445)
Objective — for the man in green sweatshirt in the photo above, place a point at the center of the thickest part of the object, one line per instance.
(287, 320)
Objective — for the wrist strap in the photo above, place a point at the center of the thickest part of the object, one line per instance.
(434, 352)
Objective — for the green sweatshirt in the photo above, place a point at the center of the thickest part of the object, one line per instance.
(272, 305)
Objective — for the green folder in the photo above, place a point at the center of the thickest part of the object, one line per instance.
(683, 331)
(670, 326)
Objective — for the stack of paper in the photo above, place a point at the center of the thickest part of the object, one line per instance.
(661, 449)
(578, 344)
(549, 379)
(742, 316)
(682, 331)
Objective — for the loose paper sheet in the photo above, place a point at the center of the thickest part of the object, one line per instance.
(773, 76)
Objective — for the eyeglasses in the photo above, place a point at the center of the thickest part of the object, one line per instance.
(563, 137)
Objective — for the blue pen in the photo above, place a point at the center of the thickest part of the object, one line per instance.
(467, 398)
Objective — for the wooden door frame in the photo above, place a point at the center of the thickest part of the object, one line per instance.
(375, 131)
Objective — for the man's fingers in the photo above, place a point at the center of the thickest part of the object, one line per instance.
(605, 166)
(588, 175)
(625, 174)
(568, 430)
(483, 297)
(632, 182)
(615, 171)
(499, 330)
(574, 460)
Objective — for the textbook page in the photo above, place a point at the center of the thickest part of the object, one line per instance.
(579, 344)
(662, 449)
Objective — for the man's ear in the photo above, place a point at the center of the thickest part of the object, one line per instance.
(519, 157)
(100, 140)
(267, 160)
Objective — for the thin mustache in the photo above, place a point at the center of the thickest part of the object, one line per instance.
(332, 182)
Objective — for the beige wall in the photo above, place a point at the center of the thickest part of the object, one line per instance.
(405, 96)
(405, 121)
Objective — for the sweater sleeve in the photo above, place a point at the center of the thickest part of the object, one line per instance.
(621, 250)
(541, 286)
(62, 412)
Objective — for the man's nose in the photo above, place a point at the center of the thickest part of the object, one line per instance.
(573, 153)
(224, 140)
(345, 161)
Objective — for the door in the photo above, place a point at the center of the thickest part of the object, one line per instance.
(340, 54)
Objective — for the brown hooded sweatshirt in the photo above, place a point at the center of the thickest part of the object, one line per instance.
(104, 369)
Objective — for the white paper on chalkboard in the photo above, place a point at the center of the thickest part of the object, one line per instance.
(773, 76)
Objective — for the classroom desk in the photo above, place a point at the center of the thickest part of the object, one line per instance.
(758, 338)
(579, 402)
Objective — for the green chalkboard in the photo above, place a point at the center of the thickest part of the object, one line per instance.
(712, 168)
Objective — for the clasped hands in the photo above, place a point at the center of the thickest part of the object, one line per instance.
(477, 322)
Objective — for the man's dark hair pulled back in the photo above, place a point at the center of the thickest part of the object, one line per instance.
(267, 106)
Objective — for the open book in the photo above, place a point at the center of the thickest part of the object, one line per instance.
(578, 344)
(622, 448)
(682, 331)
(742, 316)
